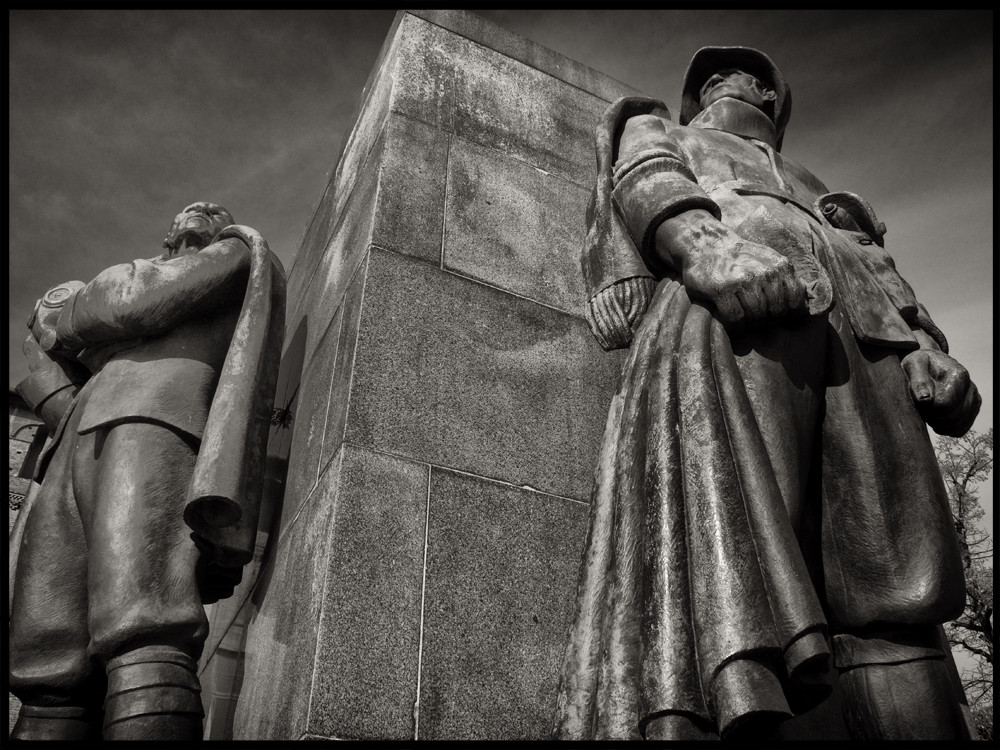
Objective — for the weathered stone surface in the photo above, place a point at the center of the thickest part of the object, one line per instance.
(366, 676)
(327, 280)
(355, 151)
(310, 421)
(309, 252)
(458, 374)
(411, 189)
(501, 576)
(281, 642)
(464, 88)
(373, 106)
(397, 203)
(514, 226)
(282, 435)
(343, 369)
(479, 30)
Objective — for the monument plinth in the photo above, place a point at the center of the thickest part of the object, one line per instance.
(447, 404)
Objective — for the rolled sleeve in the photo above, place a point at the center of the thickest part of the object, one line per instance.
(651, 180)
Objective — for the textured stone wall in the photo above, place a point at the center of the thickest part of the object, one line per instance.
(448, 402)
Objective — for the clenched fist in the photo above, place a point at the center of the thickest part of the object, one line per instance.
(745, 281)
(945, 396)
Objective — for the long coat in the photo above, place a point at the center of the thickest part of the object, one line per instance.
(758, 494)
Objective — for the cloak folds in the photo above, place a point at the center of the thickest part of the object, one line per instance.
(223, 501)
(692, 587)
(698, 597)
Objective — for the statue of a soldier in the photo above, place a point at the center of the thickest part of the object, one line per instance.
(769, 532)
(150, 483)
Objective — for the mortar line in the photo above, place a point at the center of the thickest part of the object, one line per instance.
(423, 596)
(443, 467)
(444, 205)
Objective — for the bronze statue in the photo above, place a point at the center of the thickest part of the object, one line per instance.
(150, 484)
(769, 531)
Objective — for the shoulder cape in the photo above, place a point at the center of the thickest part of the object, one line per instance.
(223, 501)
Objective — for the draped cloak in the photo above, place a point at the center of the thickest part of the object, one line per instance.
(698, 595)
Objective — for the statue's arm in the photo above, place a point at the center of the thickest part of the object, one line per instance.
(147, 298)
(940, 386)
(678, 230)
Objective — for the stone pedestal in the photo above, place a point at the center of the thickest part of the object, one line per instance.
(447, 402)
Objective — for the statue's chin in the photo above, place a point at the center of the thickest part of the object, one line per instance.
(186, 242)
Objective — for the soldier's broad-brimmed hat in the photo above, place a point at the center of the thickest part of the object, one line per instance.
(709, 60)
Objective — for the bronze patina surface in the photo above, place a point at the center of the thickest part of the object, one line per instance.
(770, 536)
(157, 380)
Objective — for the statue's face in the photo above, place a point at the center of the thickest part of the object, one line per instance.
(195, 227)
(735, 84)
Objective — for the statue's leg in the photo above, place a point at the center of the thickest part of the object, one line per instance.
(890, 555)
(146, 615)
(51, 672)
(153, 694)
(897, 685)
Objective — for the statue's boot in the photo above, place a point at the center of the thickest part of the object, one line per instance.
(68, 723)
(898, 685)
(153, 694)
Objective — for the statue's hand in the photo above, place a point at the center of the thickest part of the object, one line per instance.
(745, 281)
(945, 396)
(44, 317)
(34, 355)
(43, 327)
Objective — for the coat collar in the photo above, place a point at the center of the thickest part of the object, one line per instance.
(736, 117)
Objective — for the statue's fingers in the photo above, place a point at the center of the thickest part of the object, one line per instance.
(951, 382)
(958, 420)
(774, 293)
(752, 300)
(921, 383)
(796, 299)
(730, 310)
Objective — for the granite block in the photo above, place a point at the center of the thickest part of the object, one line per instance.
(309, 252)
(515, 227)
(322, 292)
(488, 34)
(282, 633)
(309, 422)
(369, 121)
(366, 661)
(505, 105)
(467, 89)
(411, 189)
(455, 373)
(373, 106)
(343, 370)
(423, 73)
(502, 567)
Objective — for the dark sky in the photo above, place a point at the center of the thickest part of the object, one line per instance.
(120, 118)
